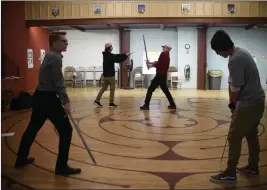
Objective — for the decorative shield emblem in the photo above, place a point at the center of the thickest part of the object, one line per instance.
(141, 8)
(231, 8)
(97, 10)
(55, 11)
(185, 8)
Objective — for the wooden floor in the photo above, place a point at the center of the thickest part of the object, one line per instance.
(156, 149)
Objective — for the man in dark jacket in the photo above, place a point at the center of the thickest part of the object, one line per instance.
(162, 66)
(109, 60)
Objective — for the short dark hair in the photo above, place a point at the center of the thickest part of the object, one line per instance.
(108, 48)
(55, 36)
(221, 41)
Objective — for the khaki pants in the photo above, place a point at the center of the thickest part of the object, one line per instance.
(107, 81)
(244, 123)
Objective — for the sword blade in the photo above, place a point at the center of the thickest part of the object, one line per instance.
(84, 143)
(145, 48)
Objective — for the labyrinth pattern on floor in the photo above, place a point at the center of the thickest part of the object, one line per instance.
(134, 149)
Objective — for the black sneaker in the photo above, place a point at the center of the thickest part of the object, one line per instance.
(112, 105)
(98, 104)
(145, 107)
(224, 177)
(68, 171)
(249, 170)
(172, 106)
(21, 164)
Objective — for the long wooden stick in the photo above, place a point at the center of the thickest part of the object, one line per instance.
(225, 145)
(223, 150)
(145, 50)
(79, 132)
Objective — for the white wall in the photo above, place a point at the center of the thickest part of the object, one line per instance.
(254, 40)
(85, 48)
(155, 38)
(177, 38)
(187, 35)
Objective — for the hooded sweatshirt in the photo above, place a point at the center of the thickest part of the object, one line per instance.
(109, 60)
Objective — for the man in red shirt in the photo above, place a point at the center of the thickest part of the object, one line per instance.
(162, 66)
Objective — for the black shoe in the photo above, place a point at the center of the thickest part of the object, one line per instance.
(68, 171)
(112, 105)
(224, 177)
(145, 107)
(172, 106)
(98, 104)
(21, 164)
(249, 170)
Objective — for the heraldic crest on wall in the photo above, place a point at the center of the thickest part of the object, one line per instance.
(185, 8)
(97, 9)
(231, 8)
(55, 11)
(141, 8)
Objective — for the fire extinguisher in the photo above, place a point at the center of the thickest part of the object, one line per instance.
(187, 72)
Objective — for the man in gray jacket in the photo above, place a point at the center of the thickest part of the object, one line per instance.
(246, 101)
(50, 101)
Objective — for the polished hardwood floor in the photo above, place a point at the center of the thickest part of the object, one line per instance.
(134, 149)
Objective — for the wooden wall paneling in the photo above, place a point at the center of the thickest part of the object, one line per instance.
(208, 9)
(44, 11)
(36, 10)
(28, 10)
(119, 9)
(127, 9)
(217, 9)
(85, 10)
(254, 9)
(244, 9)
(200, 9)
(263, 9)
(62, 13)
(76, 9)
(110, 9)
(173, 9)
(67, 10)
(157, 9)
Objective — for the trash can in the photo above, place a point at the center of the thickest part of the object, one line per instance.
(215, 77)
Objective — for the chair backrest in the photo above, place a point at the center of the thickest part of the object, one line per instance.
(137, 70)
(68, 73)
(175, 74)
(80, 69)
(172, 69)
(69, 69)
(89, 73)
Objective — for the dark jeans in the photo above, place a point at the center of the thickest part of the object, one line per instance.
(159, 80)
(47, 105)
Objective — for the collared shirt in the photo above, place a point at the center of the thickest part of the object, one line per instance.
(51, 77)
(163, 63)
